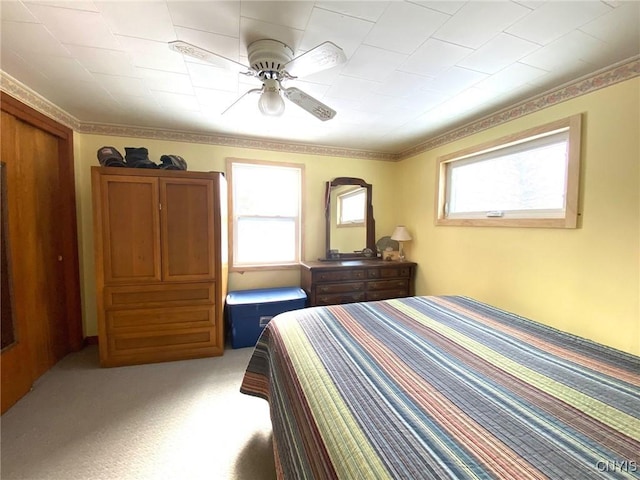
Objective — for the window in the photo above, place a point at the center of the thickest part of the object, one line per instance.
(525, 180)
(265, 202)
(352, 207)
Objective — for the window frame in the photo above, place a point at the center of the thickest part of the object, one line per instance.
(232, 221)
(569, 219)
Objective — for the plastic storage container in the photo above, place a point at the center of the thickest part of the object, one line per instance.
(249, 311)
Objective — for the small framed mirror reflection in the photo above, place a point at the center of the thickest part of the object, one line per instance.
(350, 226)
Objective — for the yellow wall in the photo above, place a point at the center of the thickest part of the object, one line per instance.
(586, 280)
(201, 157)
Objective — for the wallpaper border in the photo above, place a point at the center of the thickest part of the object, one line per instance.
(606, 77)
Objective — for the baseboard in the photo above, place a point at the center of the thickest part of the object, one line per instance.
(92, 340)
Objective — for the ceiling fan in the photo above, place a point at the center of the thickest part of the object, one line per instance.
(272, 62)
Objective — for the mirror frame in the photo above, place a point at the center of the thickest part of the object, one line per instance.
(371, 224)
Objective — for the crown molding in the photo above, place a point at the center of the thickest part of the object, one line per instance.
(606, 77)
(617, 73)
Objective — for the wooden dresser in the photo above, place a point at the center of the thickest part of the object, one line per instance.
(332, 282)
(161, 270)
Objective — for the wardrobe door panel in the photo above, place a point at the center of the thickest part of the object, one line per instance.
(131, 227)
(188, 248)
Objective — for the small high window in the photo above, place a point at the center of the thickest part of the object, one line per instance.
(524, 180)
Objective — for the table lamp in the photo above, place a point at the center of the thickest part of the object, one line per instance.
(401, 234)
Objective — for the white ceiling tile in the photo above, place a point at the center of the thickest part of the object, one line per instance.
(554, 19)
(401, 84)
(216, 101)
(292, 14)
(152, 54)
(448, 6)
(373, 63)
(252, 30)
(148, 20)
(422, 100)
(370, 11)
(69, 4)
(137, 103)
(435, 56)
(575, 45)
(89, 28)
(477, 22)
(316, 90)
(619, 27)
(121, 85)
(513, 76)
(346, 32)
(166, 81)
(418, 23)
(23, 38)
(497, 53)
(351, 88)
(215, 17)
(61, 68)
(454, 80)
(177, 101)
(16, 12)
(131, 79)
(571, 69)
(100, 60)
(466, 101)
(222, 45)
(208, 76)
(18, 67)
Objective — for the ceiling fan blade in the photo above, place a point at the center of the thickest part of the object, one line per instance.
(322, 57)
(253, 90)
(202, 54)
(310, 104)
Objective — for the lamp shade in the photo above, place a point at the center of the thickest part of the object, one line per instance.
(401, 234)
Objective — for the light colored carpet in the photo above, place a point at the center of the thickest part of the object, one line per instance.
(174, 420)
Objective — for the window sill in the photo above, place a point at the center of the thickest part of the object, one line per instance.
(256, 268)
(570, 222)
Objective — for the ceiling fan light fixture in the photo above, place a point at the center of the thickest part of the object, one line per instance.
(271, 102)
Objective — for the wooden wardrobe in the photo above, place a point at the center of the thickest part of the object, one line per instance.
(161, 264)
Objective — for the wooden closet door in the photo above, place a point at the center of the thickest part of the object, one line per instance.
(131, 229)
(36, 253)
(188, 245)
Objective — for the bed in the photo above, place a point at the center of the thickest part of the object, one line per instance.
(443, 388)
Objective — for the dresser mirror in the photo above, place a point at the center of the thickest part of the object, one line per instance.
(350, 227)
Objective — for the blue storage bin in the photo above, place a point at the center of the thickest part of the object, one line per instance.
(249, 311)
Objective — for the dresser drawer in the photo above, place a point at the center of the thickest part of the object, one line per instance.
(335, 298)
(141, 319)
(399, 271)
(338, 275)
(397, 284)
(159, 295)
(172, 331)
(347, 287)
(385, 294)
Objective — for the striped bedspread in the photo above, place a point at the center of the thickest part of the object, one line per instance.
(443, 388)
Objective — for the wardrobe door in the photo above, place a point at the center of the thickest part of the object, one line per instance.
(131, 229)
(188, 235)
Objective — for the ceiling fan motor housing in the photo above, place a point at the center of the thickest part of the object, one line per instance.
(268, 56)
